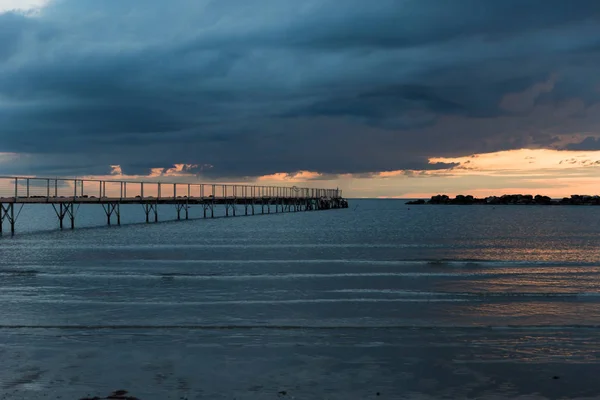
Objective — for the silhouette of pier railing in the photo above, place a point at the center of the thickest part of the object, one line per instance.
(65, 194)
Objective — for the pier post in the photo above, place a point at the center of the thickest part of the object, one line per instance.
(63, 210)
(110, 209)
(229, 205)
(8, 212)
(148, 208)
(12, 218)
(179, 208)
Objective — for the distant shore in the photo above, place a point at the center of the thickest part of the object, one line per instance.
(511, 199)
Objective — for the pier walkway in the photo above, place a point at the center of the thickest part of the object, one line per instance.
(66, 195)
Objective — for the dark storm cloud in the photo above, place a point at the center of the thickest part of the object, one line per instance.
(268, 86)
(589, 143)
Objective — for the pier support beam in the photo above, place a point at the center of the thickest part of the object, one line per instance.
(230, 206)
(7, 212)
(182, 207)
(2, 216)
(63, 210)
(110, 209)
(208, 207)
(148, 208)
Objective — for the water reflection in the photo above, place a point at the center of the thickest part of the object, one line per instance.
(553, 312)
(555, 347)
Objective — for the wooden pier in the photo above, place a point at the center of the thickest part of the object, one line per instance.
(66, 195)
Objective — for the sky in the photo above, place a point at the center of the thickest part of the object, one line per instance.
(386, 98)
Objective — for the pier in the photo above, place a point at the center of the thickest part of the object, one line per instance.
(66, 195)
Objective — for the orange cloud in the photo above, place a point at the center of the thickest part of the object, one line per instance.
(116, 170)
(180, 168)
(389, 174)
(299, 176)
(523, 160)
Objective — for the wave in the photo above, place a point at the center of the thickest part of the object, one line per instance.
(413, 327)
(97, 273)
(470, 294)
(12, 299)
(167, 246)
(477, 266)
(229, 277)
(19, 272)
(399, 296)
(450, 263)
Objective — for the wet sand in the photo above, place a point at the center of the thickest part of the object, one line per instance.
(274, 363)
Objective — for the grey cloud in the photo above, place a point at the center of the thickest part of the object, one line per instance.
(271, 86)
(589, 143)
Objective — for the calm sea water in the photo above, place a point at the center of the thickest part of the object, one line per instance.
(380, 300)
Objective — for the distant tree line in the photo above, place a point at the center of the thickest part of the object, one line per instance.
(516, 199)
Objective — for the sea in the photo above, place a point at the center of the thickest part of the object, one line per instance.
(378, 301)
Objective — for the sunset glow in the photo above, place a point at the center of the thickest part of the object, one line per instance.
(524, 171)
(300, 176)
(524, 160)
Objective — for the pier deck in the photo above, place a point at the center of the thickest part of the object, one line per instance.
(65, 194)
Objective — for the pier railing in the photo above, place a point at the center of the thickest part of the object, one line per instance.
(31, 188)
